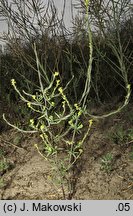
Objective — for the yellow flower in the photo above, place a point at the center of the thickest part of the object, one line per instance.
(52, 103)
(63, 104)
(60, 90)
(36, 146)
(90, 122)
(69, 142)
(80, 151)
(41, 135)
(42, 127)
(128, 86)
(79, 113)
(76, 106)
(56, 74)
(13, 82)
(34, 97)
(32, 121)
(29, 104)
(70, 122)
(57, 82)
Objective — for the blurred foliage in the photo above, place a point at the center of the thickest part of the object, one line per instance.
(69, 56)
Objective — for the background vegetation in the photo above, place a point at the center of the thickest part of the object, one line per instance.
(67, 53)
